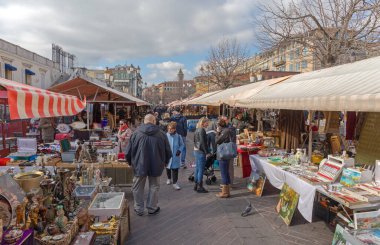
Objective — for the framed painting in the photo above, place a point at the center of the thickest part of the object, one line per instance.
(287, 203)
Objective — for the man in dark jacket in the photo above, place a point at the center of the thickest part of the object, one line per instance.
(148, 152)
(181, 130)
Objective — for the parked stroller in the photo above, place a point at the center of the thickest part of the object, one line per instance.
(208, 171)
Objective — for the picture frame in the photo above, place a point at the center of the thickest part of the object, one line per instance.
(367, 220)
(287, 203)
(257, 186)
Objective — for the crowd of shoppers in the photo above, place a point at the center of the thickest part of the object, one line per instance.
(160, 143)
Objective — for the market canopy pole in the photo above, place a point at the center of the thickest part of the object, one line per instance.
(310, 145)
(26, 101)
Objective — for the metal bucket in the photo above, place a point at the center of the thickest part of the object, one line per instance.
(29, 180)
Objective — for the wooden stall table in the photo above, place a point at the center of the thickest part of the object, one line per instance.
(243, 159)
(278, 177)
(121, 173)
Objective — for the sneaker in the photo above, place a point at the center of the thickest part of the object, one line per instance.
(139, 213)
(183, 165)
(176, 186)
(155, 212)
(168, 182)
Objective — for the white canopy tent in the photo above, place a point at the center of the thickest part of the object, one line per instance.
(201, 100)
(238, 96)
(349, 87)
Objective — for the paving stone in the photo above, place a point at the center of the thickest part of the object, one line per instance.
(187, 217)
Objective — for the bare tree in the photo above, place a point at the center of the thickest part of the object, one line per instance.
(333, 29)
(224, 62)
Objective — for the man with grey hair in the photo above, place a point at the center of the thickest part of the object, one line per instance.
(148, 152)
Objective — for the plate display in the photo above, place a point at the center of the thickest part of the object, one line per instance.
(78, 125)
(12, 193)
(63, 128)
(5, 211)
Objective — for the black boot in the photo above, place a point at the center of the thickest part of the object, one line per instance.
(201, 189)
(195, 186)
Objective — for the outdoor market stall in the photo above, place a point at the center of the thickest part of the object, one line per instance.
(47, 203)
(231, 98)
(21, 101)
(98, 93)
(350, 87)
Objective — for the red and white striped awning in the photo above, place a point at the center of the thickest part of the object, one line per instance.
(30, 102)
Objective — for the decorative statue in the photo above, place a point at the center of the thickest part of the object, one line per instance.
(84, 153)
(61, 219)
(259, 118)
(83, 219)
(33, 215)
(50, 214)
(42, 209)
(20, 215)
(69, 187)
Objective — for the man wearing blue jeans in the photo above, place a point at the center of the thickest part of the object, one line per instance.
(181, 130)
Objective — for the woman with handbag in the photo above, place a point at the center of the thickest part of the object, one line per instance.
(201, 150)
(223, 140)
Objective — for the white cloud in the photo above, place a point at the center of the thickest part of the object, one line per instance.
(99, 31)
(166, 71)
(198, 66)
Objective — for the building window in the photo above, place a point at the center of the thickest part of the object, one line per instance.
(28, 76)
(304, 51)
(291, 67)
(8, 71)
(297, 52)
(291, 55)
(304, 64)
(297, 66)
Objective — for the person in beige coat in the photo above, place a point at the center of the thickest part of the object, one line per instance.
(124, 134)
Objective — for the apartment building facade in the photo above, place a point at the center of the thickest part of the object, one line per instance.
(24, 66)
(291, 57)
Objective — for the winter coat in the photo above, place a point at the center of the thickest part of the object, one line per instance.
(123, 136)
(176, 145)
(47, 130)
(200, 141)
(225, 136)
(148, 151)
(181, 124)
(164, 125)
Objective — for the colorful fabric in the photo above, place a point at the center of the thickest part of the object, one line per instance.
(30, 102)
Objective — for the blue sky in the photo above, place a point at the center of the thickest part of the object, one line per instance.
(159, 36)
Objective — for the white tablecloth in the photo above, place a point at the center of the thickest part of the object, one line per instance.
(277, 177)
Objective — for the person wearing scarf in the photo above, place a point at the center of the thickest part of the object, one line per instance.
(124, 134)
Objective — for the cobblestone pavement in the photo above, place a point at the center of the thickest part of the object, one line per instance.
(187, 217)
